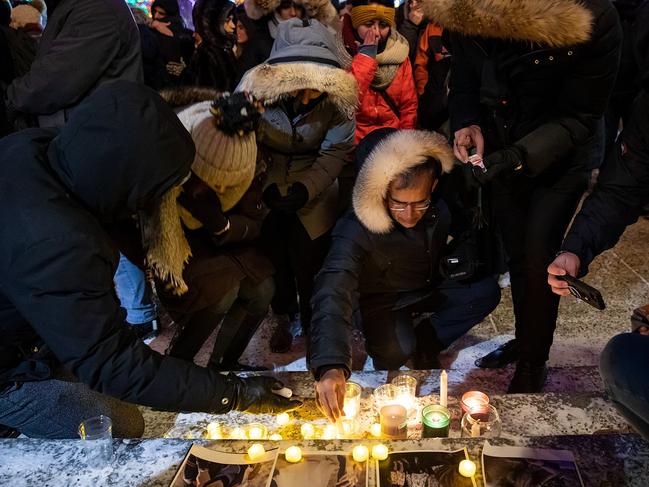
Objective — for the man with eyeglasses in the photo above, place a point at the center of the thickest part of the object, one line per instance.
(385, 261)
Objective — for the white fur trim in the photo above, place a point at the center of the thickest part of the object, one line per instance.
(395, 154)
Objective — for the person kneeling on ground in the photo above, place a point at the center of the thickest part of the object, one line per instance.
(60, 320)
(387, 250)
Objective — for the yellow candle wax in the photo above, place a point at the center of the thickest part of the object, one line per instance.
(375, 430)
(467, 468)
(379, 452)
(360, 453)
(255, 433)
(283, 419)
(256, 451)
(275, 437)
(293, 454)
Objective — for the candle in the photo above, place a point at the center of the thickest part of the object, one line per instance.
(379, 452)
(293, 454)
(475, 403)
(282, 419)
(307, 430)
(475, 429)
(394, 421)
(256, 451)
(443, 389)
(238, 434)
(436, 420)
(275, 437)
(256, 431)
(405, 388)
(352, 400)
(360, 453)
(329, 432)
(375, 430)
(467, 468)
(214, 431)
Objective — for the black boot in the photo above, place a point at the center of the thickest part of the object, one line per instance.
(189, 339)
(528, 378)
(238, 329)
(426, 356)
(282, 339)
(505, 354)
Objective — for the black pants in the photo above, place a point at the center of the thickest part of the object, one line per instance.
(297, 259)
(390, 336)
(533, 215)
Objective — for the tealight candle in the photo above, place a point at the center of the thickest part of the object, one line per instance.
(375, 430)
(256, 451)
(293, 454)
(436, 420)
(307, 430)
(282, 419)
(360, 453)
(394, 421)
(275, 437)
(214, 431)
(329, 432)
(379, 452)
(238, 434)
(475, 403)
(467, 468)
(256, 431)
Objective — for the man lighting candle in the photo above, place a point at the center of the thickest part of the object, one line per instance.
(388, 250)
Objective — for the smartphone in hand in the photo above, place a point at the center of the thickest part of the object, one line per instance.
(583, 291)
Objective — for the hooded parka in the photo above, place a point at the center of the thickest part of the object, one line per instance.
(57, 262)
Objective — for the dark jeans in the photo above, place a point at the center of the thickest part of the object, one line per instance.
(54, 409)
(533, 215)
(246, 299)
(297, 259)
(390, 336)
(623, 365)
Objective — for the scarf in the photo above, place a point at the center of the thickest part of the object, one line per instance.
(395, 53)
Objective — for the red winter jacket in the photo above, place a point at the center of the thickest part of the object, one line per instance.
(373, 111)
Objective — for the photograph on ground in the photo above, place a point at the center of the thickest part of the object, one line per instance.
(320, 469)
(422, 469)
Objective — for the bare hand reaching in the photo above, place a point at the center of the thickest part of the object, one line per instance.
(330, 393)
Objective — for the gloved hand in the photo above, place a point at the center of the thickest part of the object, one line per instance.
(204, 204)
(259, 395)
(296, 198)
(509, 159)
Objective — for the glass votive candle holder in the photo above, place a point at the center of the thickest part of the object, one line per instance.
(436, 420)
(475, 403)
(347, 427)
(383, 396)
(256, 431)
(352, 404)
(97, 433)
(486, 424)
(405, 389)
(394, 421)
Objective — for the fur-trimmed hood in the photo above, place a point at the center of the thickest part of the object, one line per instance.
(551, 23)
(305, 56)
(396, 153)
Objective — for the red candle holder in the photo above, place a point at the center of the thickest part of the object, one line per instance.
(475, 403)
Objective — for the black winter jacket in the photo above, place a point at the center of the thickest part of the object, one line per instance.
(57, 262)
(403, 263)
(621, 192)
(545, 100)
(85, 44)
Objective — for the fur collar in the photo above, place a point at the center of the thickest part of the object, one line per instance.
(274, 82)
(395, 154)
(552, 23)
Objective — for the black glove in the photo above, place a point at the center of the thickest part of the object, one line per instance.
(259, 395)
(504, 160)
(204, 204)
(297, 196)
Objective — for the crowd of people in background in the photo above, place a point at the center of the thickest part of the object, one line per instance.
(346, 165)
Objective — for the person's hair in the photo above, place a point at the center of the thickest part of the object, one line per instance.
(409, 178)
(5, 13)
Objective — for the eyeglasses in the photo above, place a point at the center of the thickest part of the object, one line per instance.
(416, 206)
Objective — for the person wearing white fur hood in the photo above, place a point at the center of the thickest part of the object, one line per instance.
(389, 251)
(304, 134)
(529, 85)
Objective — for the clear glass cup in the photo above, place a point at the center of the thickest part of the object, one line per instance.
(484, 424)
(405, 389)
(352, 404)
(97, 433)
(383, 396)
